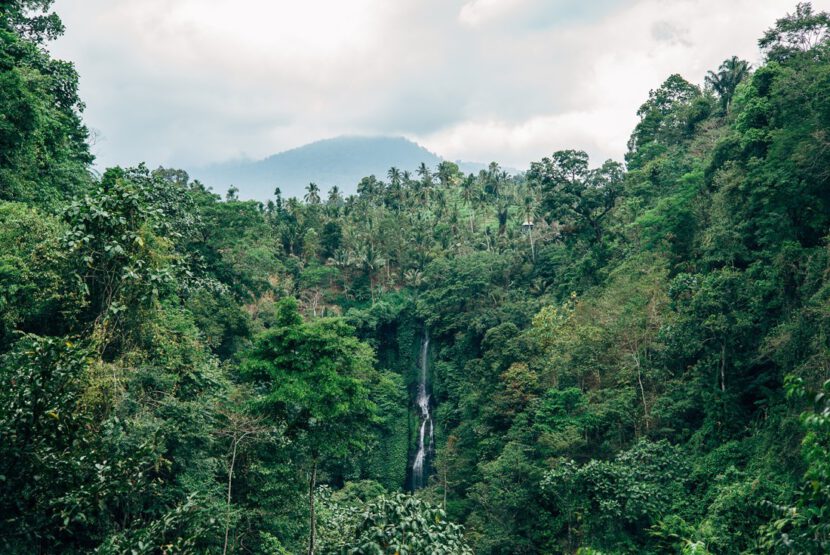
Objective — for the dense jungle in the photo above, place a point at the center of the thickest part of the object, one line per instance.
(587, 356)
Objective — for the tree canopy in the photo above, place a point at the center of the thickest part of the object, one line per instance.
(617, 358)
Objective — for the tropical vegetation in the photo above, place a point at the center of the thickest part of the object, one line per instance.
(624, 356)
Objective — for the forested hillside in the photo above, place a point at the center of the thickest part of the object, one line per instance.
(341, 161)
(587, 357)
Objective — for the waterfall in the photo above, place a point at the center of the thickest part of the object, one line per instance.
(426, 440)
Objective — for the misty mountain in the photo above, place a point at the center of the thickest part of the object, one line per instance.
(341, 161)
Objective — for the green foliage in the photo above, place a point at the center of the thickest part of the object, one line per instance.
(310, 375)
(42, 436)
(803, 527)
(404, 524)
(29, 19)
(664, 120)
(44, 155)
(600, 499)
(34, 292)
(576, 197)
(724, 83)
(632, 373)
(801, 31)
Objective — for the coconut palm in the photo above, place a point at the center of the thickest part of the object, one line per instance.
(312, 195)
(529, 208)
(470, 194)
(395, 192)
(425, 175)
(493, 179)
(334, 202)
(446, 173)
(367, 258)
(730, 74)
(394, 175)
(335, 197)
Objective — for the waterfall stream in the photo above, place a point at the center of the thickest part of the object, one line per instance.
(426, 441)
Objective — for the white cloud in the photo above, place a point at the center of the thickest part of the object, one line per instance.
(610, 67)
(197, 81)
(596, 131)
(476, 12)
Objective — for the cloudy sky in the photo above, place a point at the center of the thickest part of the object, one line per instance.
(190, 82)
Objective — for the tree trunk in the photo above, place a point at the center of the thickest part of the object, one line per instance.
(723, 366)
(642, 391)
(312, 483)
(235, 442)
(230, 485)
(444, 506)
(532, 250)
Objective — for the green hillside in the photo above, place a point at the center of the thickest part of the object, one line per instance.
(587, 356)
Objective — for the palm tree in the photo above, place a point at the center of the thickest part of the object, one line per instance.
(440, 200)
(529, 206)
(339, 258)
(334, 195)
(313, 194)
(730, 74)
(425, 175)
(502, 211)
(291, 230)
(395, 193)
(469, 193)
(334, 202)
(446, 173)
(492, 179)
(369, 260)
(413, 277)
(278, 197)
(394, 175)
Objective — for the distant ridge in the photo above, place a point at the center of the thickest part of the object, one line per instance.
(341, 161)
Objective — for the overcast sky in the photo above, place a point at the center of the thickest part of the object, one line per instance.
(189, 82)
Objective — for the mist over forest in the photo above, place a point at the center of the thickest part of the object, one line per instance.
(337, 162)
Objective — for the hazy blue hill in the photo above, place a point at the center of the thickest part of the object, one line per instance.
(341, 161)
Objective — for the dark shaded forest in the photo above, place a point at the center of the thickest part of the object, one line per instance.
(617, 357)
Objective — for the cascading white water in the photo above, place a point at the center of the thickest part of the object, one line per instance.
(425, 446)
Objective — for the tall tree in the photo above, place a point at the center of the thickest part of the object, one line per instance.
(730, 74)
(800, 31)
(312, 195)
(312, 377)
(577, 197)
(31, 19)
